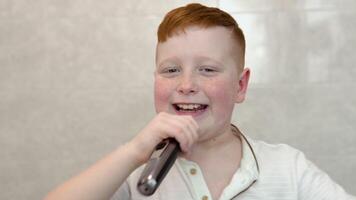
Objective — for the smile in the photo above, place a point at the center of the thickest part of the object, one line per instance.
(190, 107)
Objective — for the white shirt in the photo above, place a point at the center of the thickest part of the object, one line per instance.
(266, 172)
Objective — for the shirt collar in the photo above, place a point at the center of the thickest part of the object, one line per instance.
(243, 178)
(248, 154)
(248, 172)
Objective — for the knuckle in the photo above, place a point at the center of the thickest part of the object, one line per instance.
(186, 126)
(178, 129)
(161, 114)
(185, 144)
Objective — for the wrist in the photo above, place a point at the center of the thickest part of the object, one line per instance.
(133, 153)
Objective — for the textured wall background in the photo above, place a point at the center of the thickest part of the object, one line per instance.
(76, 81)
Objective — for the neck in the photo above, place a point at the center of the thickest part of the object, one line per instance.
(224, 142)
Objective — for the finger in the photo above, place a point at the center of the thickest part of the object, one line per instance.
(188, 127)
(196, 127)
(193, 126)
(179, 129)
(169, 127)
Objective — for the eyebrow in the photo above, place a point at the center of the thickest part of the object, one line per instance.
(202, 58)
(167, 60)
(199, 58)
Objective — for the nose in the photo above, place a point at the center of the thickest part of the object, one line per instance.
(187, 84)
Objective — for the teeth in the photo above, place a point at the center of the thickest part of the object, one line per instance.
(189, 106)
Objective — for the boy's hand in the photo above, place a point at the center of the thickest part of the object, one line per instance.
(181, 127)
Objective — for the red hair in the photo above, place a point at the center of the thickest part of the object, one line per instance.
(195, 14)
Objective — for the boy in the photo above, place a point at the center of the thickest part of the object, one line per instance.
(199, 77)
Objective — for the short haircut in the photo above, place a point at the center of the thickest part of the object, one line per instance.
(177, 20)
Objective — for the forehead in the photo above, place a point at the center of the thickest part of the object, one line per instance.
(213, 42)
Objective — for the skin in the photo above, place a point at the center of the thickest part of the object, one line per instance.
(197, 66)
(202, 68)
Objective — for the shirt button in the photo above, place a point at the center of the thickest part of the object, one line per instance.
(204, 197)
(193, 171)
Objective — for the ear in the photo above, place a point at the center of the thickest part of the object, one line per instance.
(243, 83)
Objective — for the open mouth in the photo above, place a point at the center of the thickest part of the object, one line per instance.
(189, 107)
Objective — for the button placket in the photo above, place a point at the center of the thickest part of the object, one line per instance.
(194, 174)
(193, 171)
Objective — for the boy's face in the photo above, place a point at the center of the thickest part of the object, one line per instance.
(196, 74)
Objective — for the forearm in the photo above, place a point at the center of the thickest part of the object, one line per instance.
(102, 179)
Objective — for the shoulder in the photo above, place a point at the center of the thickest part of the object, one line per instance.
(278, 161)
(288, 166)
(280, 156)
(273, 152)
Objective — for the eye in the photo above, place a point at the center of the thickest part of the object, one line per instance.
(207, 70)
(170, 71)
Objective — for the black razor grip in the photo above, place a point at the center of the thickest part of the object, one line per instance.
(161, 161)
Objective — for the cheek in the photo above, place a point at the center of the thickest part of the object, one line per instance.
(223, 95)
(161, 95)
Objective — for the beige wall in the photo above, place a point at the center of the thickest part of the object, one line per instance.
(76, 82)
